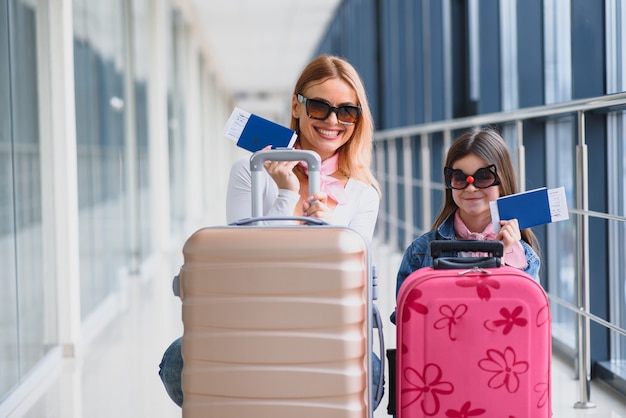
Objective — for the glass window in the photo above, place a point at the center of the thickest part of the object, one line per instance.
(560, 140)
(99, 90)
(508, 55)
(27, 184)
(617, 234)
(8, 279)
(616, 82)
(27, 331)
(562, 236)
(141, 62)
(177, 116)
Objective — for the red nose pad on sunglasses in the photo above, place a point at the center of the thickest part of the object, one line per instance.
(470, 180)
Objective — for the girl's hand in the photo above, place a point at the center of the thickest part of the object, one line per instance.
(509, 234)
(316, 206)
(282, 173)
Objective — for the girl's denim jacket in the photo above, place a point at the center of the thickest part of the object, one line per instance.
(417, 255)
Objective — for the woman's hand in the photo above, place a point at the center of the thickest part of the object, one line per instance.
(316, 206)
(282, 173)
(509, 234)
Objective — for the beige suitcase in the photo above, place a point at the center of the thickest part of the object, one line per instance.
(278, 320)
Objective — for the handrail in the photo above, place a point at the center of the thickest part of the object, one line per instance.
(577, 109)
(536, 112)
(600, 215)
(571, 307)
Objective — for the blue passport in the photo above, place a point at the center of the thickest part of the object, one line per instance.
(253, 132)
(531, 208)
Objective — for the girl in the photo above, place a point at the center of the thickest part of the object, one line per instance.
(478, 170)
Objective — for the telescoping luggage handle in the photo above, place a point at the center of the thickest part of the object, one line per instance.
(313, 160)
(495, 249)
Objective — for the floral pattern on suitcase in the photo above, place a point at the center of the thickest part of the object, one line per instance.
(475, 345)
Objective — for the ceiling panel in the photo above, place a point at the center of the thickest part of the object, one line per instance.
(259, 47)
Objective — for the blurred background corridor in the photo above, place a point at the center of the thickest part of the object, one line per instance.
(112, 154)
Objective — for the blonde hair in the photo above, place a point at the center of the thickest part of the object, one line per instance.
(488, 145)
(355, 156)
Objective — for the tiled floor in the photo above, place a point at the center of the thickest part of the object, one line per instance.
(118, 375)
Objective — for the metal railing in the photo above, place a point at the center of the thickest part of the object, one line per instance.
(578, 108)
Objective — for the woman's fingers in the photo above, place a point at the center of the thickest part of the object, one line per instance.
(317, 206)
(282, 174)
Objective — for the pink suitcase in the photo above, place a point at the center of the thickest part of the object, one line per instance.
(277, 319)
(472, 341)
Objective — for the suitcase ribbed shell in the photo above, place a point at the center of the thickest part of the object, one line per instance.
(275, 323)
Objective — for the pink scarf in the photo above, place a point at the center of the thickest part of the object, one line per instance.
(515, 257)
(331, 186)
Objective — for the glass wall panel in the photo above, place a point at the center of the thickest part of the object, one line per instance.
(562, 236)
(9, 370)
(561, 140)
(399, 194)
(382, 174)
(437, 160)
(177, 112)
(417, 186)
(27, 186)
(25, 330)
(99, 89)
(616, 82)
(617, 236)
(141, 48)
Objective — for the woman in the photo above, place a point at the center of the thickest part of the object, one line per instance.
(331, 115)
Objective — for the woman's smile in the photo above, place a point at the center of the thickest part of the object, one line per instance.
(328, 133)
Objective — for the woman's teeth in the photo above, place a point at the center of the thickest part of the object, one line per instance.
(328, 133)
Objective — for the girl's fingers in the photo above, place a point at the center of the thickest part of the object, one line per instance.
(512, 227)
(509, 234)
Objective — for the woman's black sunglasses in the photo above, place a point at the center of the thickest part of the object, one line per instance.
(320, 110)
(481, 179)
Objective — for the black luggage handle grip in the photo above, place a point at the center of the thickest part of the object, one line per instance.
(494, 248)
(465, 263)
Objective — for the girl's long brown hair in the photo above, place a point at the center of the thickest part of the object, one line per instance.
(355, 156)
(489, 146)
